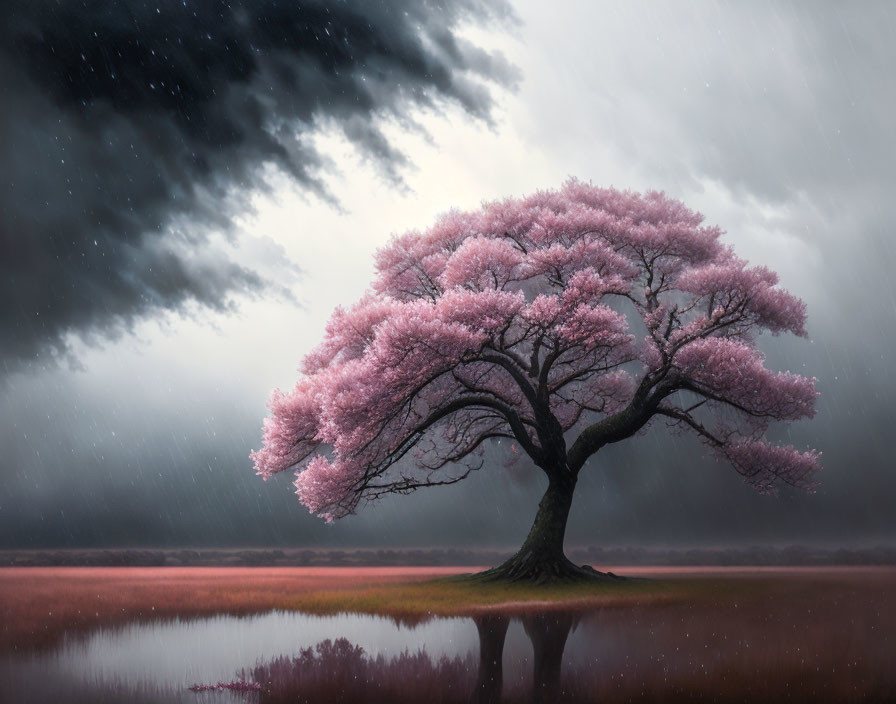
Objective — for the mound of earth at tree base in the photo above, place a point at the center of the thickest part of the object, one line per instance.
(561, 571)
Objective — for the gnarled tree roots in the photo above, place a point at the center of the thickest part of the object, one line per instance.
(539, 569)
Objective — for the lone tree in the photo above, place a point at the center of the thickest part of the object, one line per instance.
(561, 322)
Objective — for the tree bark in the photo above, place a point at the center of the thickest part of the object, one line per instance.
(541, 558)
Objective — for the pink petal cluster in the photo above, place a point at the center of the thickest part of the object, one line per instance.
(321, 485)
(290, 431)
(732, 284)
(349, 332)
(483, 263)
(765, 466)
(587, 327)
(732, 371)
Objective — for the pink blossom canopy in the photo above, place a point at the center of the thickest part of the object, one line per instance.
(562, 322)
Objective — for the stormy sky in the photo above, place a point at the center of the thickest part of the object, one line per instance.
(189, 188)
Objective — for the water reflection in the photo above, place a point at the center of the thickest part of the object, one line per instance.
(341, 671)
(799, 649)
(492, 631)
(547, 632)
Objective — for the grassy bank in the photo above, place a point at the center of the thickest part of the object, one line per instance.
(37, 605)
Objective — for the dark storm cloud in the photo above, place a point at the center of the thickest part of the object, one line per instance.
(130, 131)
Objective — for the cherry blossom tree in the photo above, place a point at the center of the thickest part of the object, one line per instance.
(549, 326)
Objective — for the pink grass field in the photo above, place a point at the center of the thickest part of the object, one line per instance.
(39, 604)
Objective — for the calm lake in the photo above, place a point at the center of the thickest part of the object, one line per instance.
(727, 652)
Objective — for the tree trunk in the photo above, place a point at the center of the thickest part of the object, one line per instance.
(541, 558)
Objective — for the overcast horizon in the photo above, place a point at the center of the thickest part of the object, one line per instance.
(188, 192)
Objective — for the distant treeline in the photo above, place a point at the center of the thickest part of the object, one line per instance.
(220, 557)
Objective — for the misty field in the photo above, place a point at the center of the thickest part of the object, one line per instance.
(409, 634)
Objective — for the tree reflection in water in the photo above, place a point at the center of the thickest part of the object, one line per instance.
(339, 671)
(759, 651)
(548, 633)
(492, 630)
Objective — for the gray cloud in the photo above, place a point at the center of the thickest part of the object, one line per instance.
(773, 119)
(123, 122)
